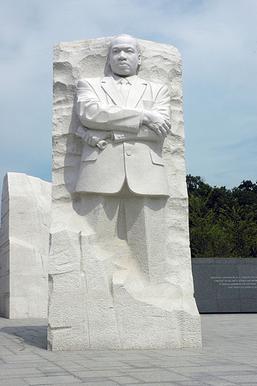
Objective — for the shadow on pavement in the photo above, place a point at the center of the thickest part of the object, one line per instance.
(31, 335)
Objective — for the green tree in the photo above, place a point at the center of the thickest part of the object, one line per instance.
(223, 222)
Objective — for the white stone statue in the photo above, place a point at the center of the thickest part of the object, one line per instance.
(119, 264)
(125, 120)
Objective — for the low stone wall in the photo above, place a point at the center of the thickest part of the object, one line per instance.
(225, 284)
(24, 244)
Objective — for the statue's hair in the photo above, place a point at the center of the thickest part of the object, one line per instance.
(107, 68)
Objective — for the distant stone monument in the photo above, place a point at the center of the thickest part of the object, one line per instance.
(119, 266)
(24, 245)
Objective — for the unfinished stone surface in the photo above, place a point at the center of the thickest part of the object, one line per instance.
(24, 244)
(118, 283)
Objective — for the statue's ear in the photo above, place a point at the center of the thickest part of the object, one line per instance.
(139, 59)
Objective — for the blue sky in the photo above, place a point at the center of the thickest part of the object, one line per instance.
(218, 42)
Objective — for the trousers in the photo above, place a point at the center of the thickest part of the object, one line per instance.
(129, 228)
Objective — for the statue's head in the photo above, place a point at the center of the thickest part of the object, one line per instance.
(124, 56)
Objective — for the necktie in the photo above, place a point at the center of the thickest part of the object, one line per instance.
(124, 89)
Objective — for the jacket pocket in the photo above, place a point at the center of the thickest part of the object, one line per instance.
(89, 154)
(156, 159)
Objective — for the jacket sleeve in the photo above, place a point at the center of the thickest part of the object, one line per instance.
(162, 102)
(95, 114)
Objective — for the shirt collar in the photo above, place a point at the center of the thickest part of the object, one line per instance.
(130, 79)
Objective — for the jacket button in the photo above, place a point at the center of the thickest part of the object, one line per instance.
(128, 152)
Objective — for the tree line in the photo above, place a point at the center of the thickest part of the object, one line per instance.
(222, 222)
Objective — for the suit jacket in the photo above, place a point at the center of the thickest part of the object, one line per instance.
(134, 152)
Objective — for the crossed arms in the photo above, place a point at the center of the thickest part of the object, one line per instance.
(102, 122)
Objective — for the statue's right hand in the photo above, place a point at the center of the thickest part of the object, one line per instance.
(102, 144)
(99, 141)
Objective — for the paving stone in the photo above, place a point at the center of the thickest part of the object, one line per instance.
(21, 358)
(154, 384)
(157, 375)
(210, 370)
(166, 363)
(97, 373)
(52, 380)
(92, 383)
(123, 380)
(210, 380)
(219, 382)
(242, 379)
(23, 365)
(13, 382)
(194, 383)
(94, 365)
(228, 358)
(142, 364)
(72, 367)
(19, 372)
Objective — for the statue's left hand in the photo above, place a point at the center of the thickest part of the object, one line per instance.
(156, 122)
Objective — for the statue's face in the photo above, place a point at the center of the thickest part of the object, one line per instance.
(124, 57)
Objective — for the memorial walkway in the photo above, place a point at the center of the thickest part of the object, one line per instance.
(228, 357)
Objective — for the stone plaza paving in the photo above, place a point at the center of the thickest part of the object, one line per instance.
(228, 357)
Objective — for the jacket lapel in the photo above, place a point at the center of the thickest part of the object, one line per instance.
(135, 95)
(136, 92)
(109, 86)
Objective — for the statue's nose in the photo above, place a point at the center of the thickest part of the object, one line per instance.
(122, 55)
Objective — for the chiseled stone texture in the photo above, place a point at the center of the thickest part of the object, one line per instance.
(24, 245)
(97, 298)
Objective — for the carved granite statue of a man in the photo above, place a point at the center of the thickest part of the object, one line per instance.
(119, 262)
(124, 122)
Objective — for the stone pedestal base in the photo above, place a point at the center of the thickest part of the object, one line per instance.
(92, 308)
